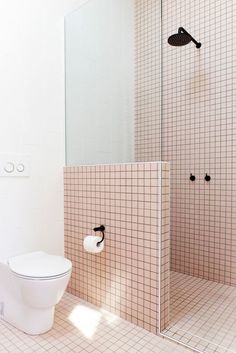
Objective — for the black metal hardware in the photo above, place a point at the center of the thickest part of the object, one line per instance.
(207, 177)
(99, 229)
(102, 230)
(192, 177)
(182, 38)
(182, 30)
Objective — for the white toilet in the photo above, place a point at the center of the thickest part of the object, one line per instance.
(30, 287)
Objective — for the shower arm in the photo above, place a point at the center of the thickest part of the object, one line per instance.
(182, 30)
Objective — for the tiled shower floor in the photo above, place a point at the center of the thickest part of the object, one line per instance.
(81, 327)
(203, 314)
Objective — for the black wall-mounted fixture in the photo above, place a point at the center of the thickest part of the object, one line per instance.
(102, 230)
(192, 177)
(207, 177)
(182, 38)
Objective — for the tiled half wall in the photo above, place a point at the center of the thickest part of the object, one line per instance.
(132, 201)
(198, 127)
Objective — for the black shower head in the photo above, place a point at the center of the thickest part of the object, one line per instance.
(179, 39)
(182, 38)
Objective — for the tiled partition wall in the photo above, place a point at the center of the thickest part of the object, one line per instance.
(198, 127)
(132, 201)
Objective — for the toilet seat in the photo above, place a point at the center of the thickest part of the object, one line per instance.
(39, 266)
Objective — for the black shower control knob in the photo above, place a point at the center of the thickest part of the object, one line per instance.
(207, 177)
(192, 177)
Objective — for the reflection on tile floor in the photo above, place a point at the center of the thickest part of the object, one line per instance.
(81, 327)
(203, 314)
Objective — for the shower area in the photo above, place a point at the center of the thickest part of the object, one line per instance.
(170, 73)
(197, 134)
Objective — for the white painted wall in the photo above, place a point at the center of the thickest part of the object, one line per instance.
(100, 82)
(32, 122)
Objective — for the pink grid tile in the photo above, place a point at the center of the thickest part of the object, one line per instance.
(124, 278)
(195, 130)
(81, 327)
(203, 314)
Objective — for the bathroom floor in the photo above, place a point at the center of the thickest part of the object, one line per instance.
(81, 327)
(203, 314)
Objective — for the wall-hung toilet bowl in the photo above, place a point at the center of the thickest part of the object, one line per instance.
(34, 284)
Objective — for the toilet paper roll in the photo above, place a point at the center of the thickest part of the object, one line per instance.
(90, 244)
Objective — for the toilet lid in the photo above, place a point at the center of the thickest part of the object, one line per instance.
(39, 265)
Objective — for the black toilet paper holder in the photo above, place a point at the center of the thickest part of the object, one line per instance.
(102, 230)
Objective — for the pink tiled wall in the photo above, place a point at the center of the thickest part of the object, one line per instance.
(198, 127)
(147, 80)
(132, 201)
